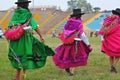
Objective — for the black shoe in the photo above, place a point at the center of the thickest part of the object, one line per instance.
(113, 69)
(67, 70)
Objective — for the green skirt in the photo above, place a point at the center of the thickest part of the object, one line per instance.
(37, 59)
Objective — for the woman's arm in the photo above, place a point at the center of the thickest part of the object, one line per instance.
(39, 33)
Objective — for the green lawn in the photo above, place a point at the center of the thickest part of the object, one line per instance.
(97, 68)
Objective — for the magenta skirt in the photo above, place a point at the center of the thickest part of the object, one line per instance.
(71, 55)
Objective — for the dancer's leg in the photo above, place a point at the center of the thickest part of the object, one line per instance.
(116, 61)
(17, 76)
(111, 60)
(73, 70)
(22, 74)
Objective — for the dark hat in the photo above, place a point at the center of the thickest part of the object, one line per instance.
(77, 12)
(116, 12)
(22, 1)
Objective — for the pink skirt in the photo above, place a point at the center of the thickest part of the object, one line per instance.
(71, 55)
(111, 43)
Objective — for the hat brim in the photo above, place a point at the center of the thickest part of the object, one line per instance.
(82, 13)
(23, 2)
(115, 12)
(78, 14)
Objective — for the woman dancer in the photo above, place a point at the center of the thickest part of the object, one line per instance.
(27, 52)
(111, 37)
(71, 55)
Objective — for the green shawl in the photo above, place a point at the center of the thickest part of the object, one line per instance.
(20, 16)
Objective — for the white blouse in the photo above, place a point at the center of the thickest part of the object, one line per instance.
(85, 39)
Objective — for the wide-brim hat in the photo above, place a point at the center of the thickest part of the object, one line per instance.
(116, 12)
(22, 1)
(77, 12)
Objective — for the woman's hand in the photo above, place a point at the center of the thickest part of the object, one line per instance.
(89, 45)
(39, 33)
(42, 40)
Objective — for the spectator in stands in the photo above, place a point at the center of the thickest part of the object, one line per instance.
(111, 38)
(27, 52)
(70, 55)
(96, 33)
(54, 34)
(91, 34)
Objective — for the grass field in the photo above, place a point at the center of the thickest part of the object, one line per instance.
(97, 68)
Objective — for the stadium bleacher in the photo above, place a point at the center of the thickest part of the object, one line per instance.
(52, 19)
